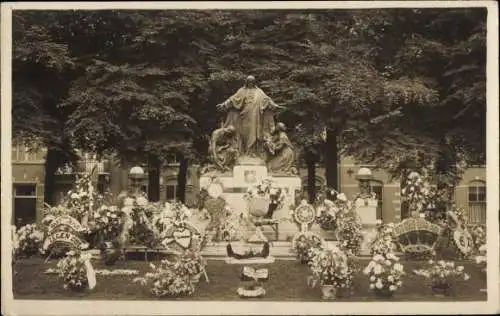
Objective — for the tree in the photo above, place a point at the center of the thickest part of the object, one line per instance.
(445, 50)
(42, 68)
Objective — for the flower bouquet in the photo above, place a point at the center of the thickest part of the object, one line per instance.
(29, 239)
(303, 244)
(177, 278)
(138, 227)
(383, 242)
(349, 233)
(72, 270)
(441, 274)
(478, 233)
(385, 273)
(263, 199)
(331, 270)
(327, 215)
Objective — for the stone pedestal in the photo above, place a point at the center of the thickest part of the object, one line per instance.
(366, 208)
(244, 176)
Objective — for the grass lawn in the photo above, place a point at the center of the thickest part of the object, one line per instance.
(287, 283)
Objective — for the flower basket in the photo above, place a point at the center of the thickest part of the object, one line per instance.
(328, 292)
(258, 205)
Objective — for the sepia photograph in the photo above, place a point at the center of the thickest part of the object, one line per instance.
(250, 158)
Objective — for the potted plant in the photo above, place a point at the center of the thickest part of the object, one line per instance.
(442, 274)
(303, 245)
(330, 268)
(385, 274)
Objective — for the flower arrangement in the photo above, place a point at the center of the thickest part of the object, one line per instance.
(478, 233)
(442, 274)
(328, 214)
(481, 258)
(385, 274)
(175, 278)
(304, 245)
(266, 191)
(28, 239)
(330, 267)
(138, 227)
(83, 198)
(174, 213)
(108, 222)
(72, 270)
(417, 191)
(349, 233)
(384, 240)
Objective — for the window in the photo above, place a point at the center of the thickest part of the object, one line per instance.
(171, 191)
(477, 202)
(24, 204)
(25, 190)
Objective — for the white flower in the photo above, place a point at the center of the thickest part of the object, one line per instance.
(441, 263)
(142, 201)
(399, 283)
(378, 269)
(390, 278)
(372, 286)
(431, 261)
(128, 202)
(341, 197)
(372, 278)
(388, 262)
(466, 277)
(460, 268)
(378, 258)
(392, 288)
(398, 267)
(450, 264)
(367, 270)
(379, 285)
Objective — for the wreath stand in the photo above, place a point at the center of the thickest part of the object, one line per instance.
(252, 288)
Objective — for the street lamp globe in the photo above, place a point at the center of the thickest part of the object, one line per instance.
(136, 173)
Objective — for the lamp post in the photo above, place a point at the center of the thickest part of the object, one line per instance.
(136, 174)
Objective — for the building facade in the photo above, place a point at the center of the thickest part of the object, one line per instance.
(29, 175)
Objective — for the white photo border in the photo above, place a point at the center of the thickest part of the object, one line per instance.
(103, 307)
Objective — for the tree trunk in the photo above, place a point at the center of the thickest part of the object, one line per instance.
(331, 160)
(311, 177)
(154, 179)
(182, 179)
(51, 165)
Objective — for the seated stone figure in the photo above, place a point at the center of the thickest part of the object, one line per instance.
(281, 157)
(224, 147)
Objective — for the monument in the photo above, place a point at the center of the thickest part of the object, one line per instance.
(251, 147)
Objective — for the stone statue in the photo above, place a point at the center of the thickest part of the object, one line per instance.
(224, 147)
(281, 153)
(250, 111)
